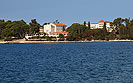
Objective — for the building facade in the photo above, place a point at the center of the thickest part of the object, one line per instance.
(100, 25)
(54, 29)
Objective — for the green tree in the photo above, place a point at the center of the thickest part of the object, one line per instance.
(97, 34)
(63, 28)
(74, 30)
(131, 29)
(16, 29)
(84, 23)
(6, 32)
(2, 25)
(89, 25)
(117, 23)
(78, 32)
(104, 29)
(127, 24)
(34, 26)
(61, 37)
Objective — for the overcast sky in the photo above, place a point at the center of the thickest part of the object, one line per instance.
(66, 11)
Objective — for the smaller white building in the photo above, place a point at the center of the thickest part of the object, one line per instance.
(100, 25)
(94, 25)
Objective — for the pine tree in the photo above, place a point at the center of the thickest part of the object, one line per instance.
(104, 30)
(84, 23)
(89, 25)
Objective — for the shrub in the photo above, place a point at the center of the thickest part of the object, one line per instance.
(8, 39)
(35, 37)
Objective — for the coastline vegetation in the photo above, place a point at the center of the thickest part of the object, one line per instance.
(17, 29)
(10, 30)
(123, 30)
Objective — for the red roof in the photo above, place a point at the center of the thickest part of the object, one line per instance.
(41, 27)
(94, 23)
(61, 24)
(101, 21)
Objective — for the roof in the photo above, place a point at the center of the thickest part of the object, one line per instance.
(94, 23)
(61, 32)
(101, 21)
(61, 24)
(41, 27)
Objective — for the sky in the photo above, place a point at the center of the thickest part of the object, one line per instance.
(66, 11)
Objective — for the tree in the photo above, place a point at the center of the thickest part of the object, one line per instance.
(19, 29)
(2, 20)
(127, 23)
(104, 29)
(97, 34)
(56, 21)
(34, 26)
(15, 29)
(84, 23)
(77, 32)
(6, 32)
(74, 30)
(131, 29)
(63, 28)
(117, 23)
(61, 37)
(2, 25)
(89, 25)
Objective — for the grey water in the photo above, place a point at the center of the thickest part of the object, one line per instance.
(108, 62)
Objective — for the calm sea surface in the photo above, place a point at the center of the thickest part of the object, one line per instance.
(67, 63)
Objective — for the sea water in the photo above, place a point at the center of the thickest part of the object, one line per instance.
(108, 62)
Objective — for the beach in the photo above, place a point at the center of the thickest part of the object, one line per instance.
(24, 41)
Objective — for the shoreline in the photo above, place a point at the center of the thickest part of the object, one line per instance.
(23, 41)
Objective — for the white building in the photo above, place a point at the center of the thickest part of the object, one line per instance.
(100, 25)
(54, 29)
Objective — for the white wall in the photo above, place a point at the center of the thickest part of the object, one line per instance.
(50, 28)
(94, 26)
(100, 25)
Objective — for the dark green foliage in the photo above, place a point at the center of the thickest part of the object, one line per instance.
(6, 32)
(64, 28)
(122, 29)
(84, 23)
(35, 37)
(8, 39)
(70, 38)
(50, 38)
(89, 25)
(34, 26)
(97, 34)
(77, 32)
(104, 30)
(16, 29)
(61, 37)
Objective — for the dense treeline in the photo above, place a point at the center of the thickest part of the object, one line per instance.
(18, 29)
(121, 29)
